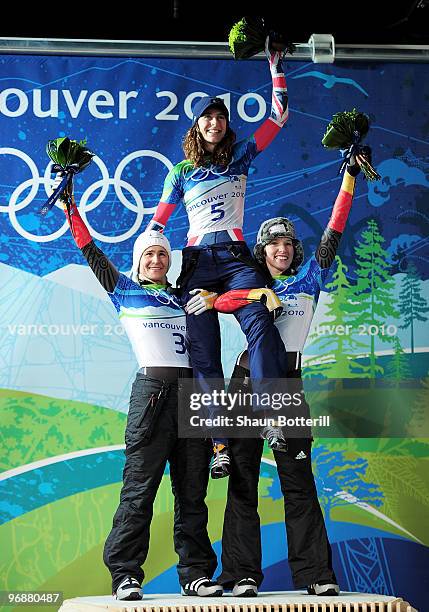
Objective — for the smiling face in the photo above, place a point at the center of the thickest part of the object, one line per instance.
(212, 126)
(154, 264)
(279, 255)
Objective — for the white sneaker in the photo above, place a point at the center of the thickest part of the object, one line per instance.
(129, 590)
(324, 587)
(203, 587)
(275, 438)
(246, 587)
(220, 467)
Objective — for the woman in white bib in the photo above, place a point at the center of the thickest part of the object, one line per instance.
(156, 327)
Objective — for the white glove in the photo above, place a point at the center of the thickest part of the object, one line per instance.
(203, 300)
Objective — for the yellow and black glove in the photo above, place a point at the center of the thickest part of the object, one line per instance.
(237, 298)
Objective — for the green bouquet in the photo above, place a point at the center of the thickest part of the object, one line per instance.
(247, 38)
(70, 157)
(345, 132)
(66, 152)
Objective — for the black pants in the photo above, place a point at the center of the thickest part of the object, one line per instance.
(309, 551)
(151, 440)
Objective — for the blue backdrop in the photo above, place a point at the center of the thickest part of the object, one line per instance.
(134, 112)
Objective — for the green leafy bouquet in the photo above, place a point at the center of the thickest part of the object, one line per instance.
(247, 38)
(70, 157)
(345, 132)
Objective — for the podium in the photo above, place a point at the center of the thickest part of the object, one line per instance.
(284, 601)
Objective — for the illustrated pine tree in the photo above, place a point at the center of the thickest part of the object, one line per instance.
(399, 407)
(398, 368)
(337, 348)
(374, 291)
(412, 305)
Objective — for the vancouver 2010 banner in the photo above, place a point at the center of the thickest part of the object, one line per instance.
(67, 367)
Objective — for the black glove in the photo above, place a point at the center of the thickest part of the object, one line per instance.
(278, 41)
(353, 167)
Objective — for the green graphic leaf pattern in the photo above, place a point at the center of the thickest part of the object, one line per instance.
(35, 427)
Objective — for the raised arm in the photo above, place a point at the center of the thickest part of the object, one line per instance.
(327, 249)
(104, 270)
(265, 134)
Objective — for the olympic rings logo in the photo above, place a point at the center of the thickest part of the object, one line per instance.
(85, 205)
(202, 174)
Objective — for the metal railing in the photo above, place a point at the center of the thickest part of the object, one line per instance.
(214, 50)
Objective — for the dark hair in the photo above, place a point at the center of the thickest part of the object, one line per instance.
(193, 147)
